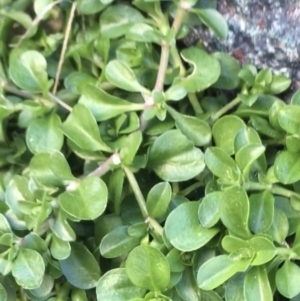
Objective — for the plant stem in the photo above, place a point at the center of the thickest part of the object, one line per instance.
(105, 166)
(60, 102)
(163, 65)
(225, 109)
(64, 46)
(191, 188)
(177, 60)
(178, 18)
(195, 103)
(141, 202)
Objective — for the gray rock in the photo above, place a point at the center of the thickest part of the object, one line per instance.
(265, 33)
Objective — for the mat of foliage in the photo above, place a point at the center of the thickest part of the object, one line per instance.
(132, 168)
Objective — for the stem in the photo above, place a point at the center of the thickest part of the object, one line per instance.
(64, 47)
(178, 18)
(195, 103)
(177, 60)
(142, 203)
(60, 102)
(191, 188)
(225, 109)
(163, 65)
(105, 166)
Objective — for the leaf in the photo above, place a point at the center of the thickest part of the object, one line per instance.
(205, 71)
(120, 75)
(158, 199)
(116, 286)
(180, 163)
(288, 118)
(261, 211)
(230, 68)
(88, 201)
(264, 250)
(209, 209)
(235, 211)
(59, 248)
(222, 165)
(3, 293)
(183, 229)
(28, 71)
(104, 106)
(187, 287)
(148, 268)
(280, 226)
(234, 288)
(175, 262)
(81, 268)
(287, 167)
(257, 286)
(118, 242)
(88, 7)
(287, 279)
(214, 21)
(28, 269)
(44, 134)
(129, 150)
(224, 131)
(117, 19)
(195, 129)
(215, 272)
(81, 127)
(75, 81)
(143, 32)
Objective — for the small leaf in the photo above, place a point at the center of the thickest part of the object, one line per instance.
(44, 134)
(120, 74)
(143, 32)
(116, 286)
(205, 71)
(234, 288)
(88, 201)
(214, 21)
(257, 286)
(82, 129)
(264, 250)
(183, 228)
(195, 129)
(261, 211)
(158, 199)
(28, 269)
(148, 268)
(209, 209)
(215, 272)
(224, 131)
(287, 167)
(179, 163)
(280, 226)
(59, 248)
(28, 71)
(104, 106)
(235, 211)
(187, 287)
(289, 119)
(88, 274)
(88, 7)
(287, 279)
(117, 19)
(129, 150)
(118, 242)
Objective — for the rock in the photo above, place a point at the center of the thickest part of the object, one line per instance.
(265, 33)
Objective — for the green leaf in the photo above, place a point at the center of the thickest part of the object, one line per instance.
(129, 150)
(175, 262)
(205, 71)
(287, 167)
(230, 68)
(257, 286)
(28, 269)
(264, 127)
(148, 268)
(3, 293)
(187, 287)
(28, 71)
(234, 288)
(81, 127)
(88, 201)
(196, 130)
(224, 131)
(104, 106)
(117, 19)
(289, 119)
(261, 211)
(59, 248)
(179, 163)
(81, 268)
(75, 81)
(116, 286)
(235, 211)
(142, 32)
(287, 279)
(183, 228)
(88, 7)
(158, 199)
(44, 135)
(222, 165)
(120, 75)
(280, 226)
(118, 242)
(209, 209)
(215, 272)
(264, 250)
(279, 84)
(214, 21)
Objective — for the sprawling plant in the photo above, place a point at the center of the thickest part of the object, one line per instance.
(133, 168)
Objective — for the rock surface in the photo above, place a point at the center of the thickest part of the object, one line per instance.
(265, 33)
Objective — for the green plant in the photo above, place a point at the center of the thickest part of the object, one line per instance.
(127, 174)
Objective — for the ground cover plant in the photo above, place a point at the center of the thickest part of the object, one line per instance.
(134, 168)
